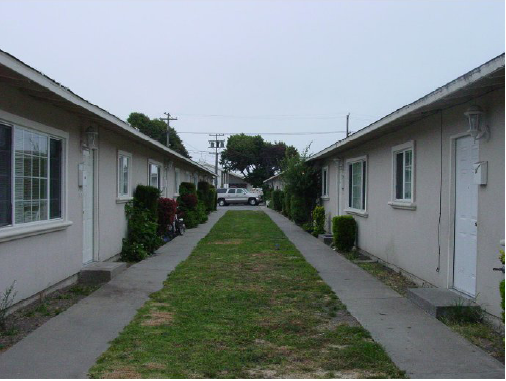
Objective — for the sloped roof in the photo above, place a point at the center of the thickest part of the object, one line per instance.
(273, 177)
(480, 81)
(38, 85)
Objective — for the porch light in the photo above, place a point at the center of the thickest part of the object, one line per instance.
(474, 116)
(91, 138)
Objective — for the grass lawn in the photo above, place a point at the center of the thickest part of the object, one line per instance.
(245, 304)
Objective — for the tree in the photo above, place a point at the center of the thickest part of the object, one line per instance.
(255, 158)
(301, 186)
(157, 129)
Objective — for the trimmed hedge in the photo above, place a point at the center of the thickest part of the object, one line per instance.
(213, 198)
(187, 188)
(277, 200)
(298, 209)
(142, 236)
(190, 218)
(344, 230)
(206, 194)
(146, 197)
(287, 201)
(187, 202)
(318, 220)
(201, 212)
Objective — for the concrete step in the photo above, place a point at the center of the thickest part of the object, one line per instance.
(439, 302)
(326, 238)
(100, 272)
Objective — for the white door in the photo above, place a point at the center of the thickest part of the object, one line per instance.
(466, 216)
(88, 206)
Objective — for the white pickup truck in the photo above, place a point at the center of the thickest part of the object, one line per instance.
(237, 196)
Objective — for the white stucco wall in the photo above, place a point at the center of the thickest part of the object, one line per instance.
(41, 261)
(409, 238)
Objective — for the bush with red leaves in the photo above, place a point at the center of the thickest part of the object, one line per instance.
(167, 209)
(189, 201)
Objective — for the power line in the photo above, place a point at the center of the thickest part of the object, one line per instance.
(280, 116)
(265, 133)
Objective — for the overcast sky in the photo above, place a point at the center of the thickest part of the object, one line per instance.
(263, 66)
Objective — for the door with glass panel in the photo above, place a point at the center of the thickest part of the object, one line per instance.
(88, 206)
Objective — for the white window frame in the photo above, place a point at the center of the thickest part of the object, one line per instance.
(160, 173)
(325, 182)
(177, 181)
(408, 204)
(21, 230)
(348, 209)
(128, 196)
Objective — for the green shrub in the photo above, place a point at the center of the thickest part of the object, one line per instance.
(188, 202)
(344, 229)
(187, 188)
(318, 220)
(133, 252)
(287, 201)
(213, 198)
(201, 212)
(6, 302)
(298, 209)
(207, 194)
(308, 227)
(277, 200)
(142, 236)
(191, 219)
(146, 197)
(267, 190)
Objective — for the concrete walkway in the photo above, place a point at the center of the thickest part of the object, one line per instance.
(416, 342)
(68, 345)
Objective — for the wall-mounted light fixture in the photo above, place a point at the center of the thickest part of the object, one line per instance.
(91, 138)
(475, 116)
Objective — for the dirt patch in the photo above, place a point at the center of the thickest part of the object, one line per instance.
(123, 372)
(342, 317)
(155, 366)
(26, 319)
(157, 304)
(157, 318)
(294, 373)
(228, 242)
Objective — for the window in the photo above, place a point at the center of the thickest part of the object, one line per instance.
(30, 176)
(124, 175)
(357, 170)
(221, 191)
(231, 191)
(155, 175)
(403, 174)
(325, 182)
(403, 159)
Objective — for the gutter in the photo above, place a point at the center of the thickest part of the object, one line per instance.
(43, 80)
(440, 93)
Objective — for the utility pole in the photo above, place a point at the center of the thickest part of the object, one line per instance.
(347, 124)
(168, 119)
(216, 144)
